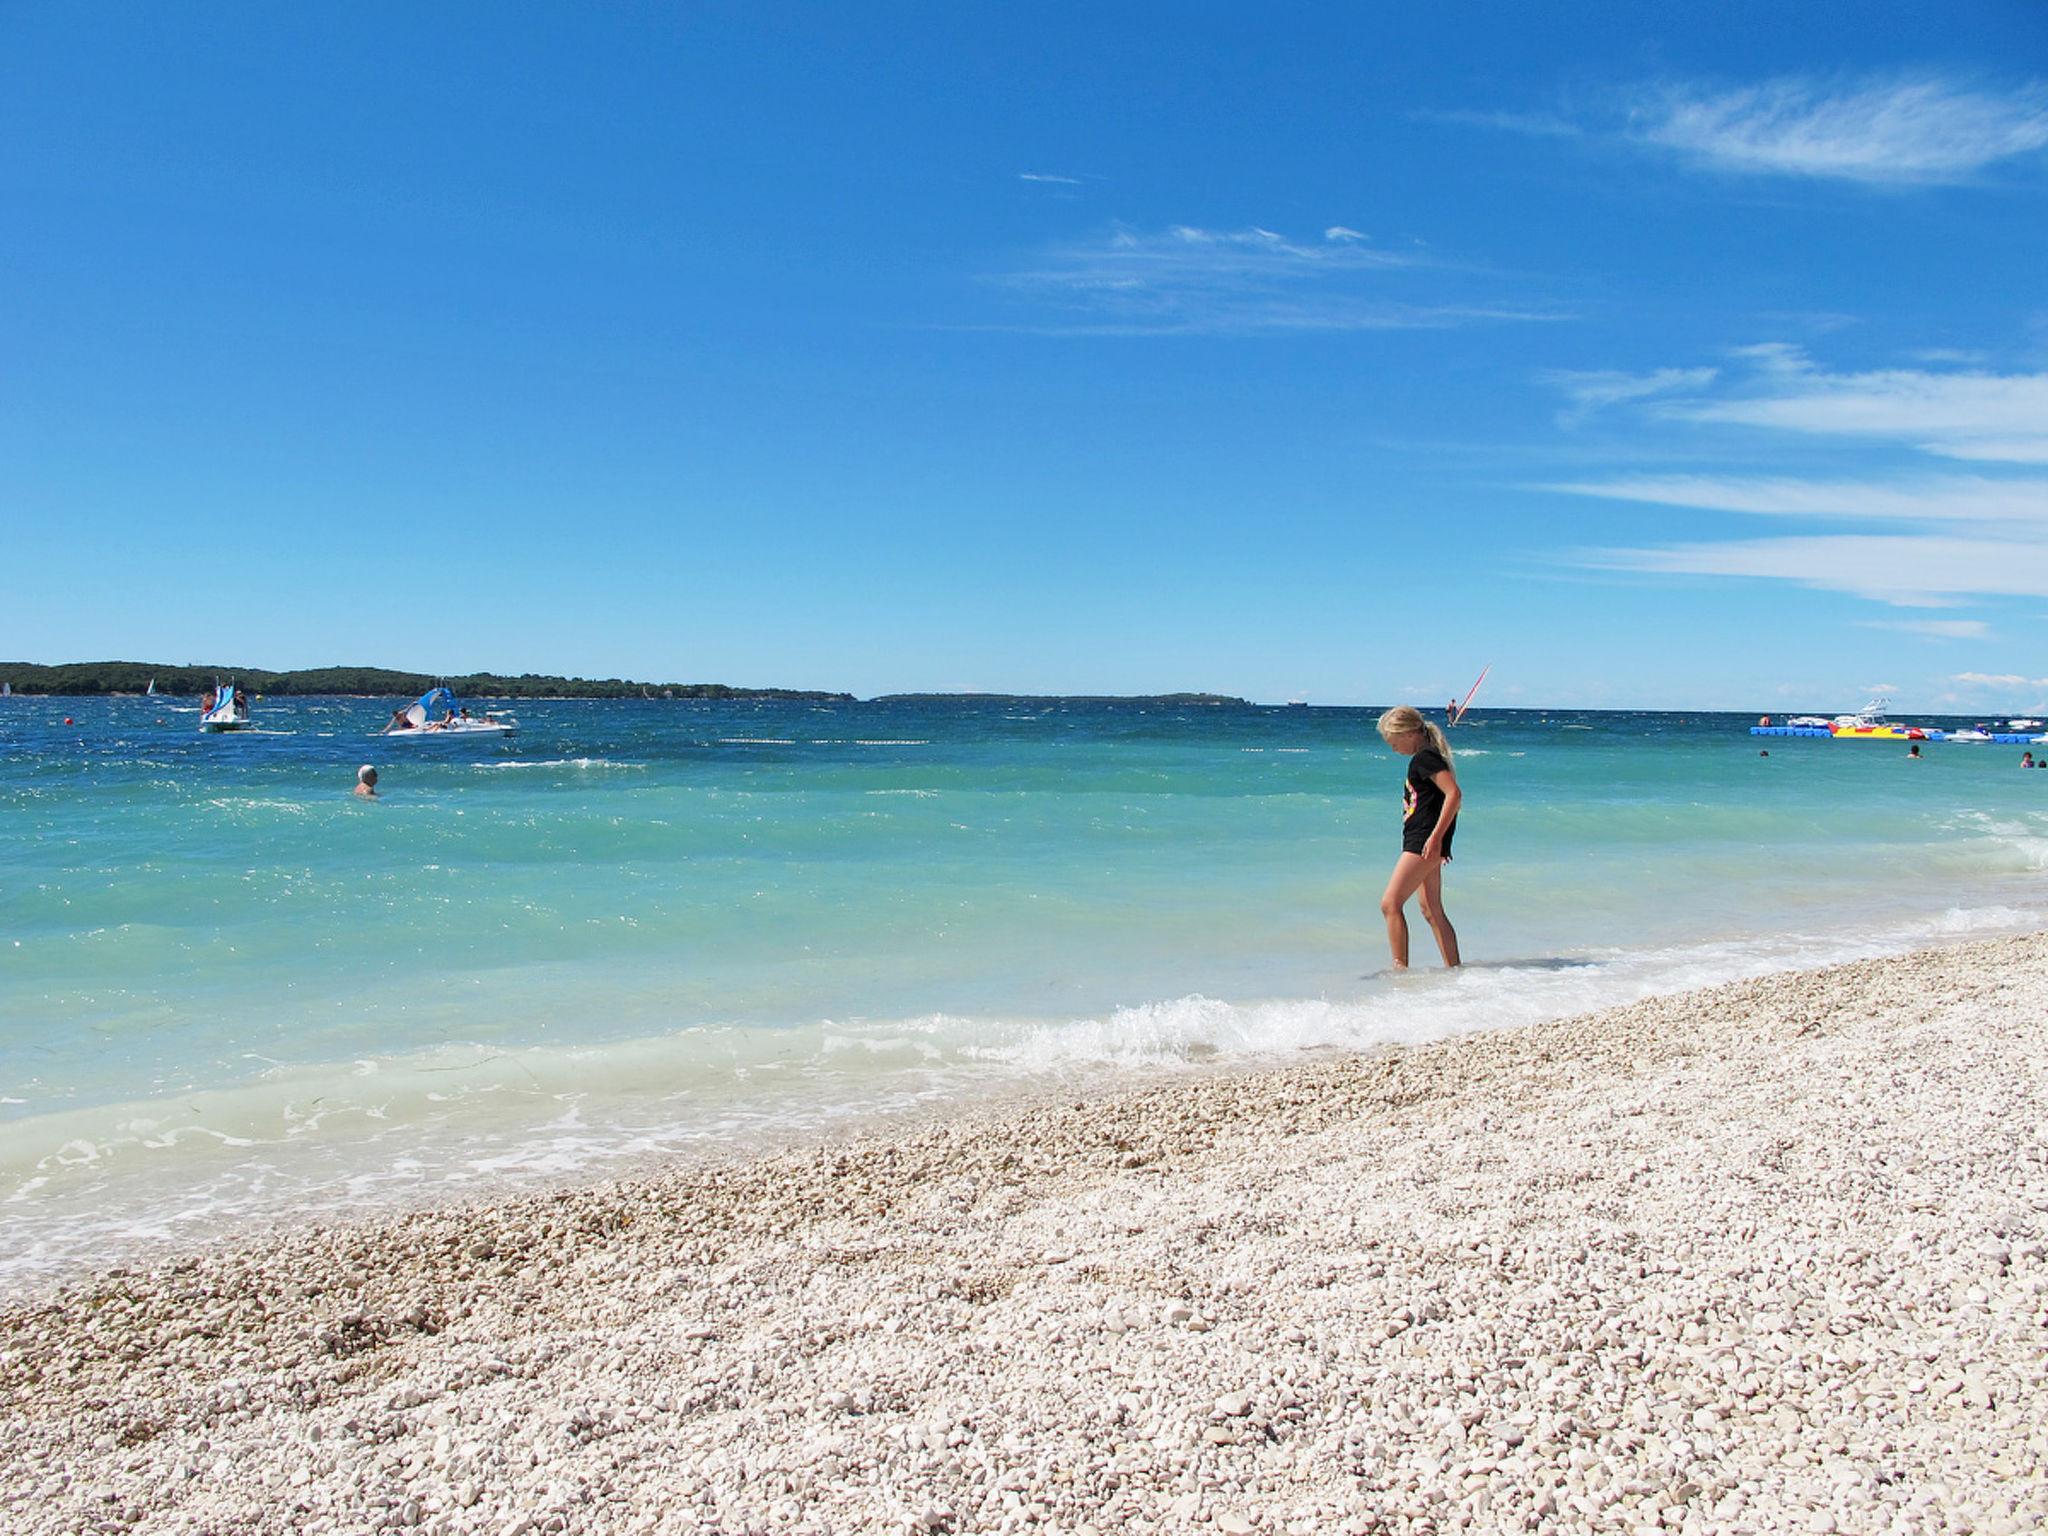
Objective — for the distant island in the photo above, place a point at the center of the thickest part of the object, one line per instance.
(111, 677)
(87, 678)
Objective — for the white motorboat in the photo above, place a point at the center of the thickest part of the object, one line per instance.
(436, 716)
(224, 709)
(1870, 716)
(2023, 725)
(1978, 734)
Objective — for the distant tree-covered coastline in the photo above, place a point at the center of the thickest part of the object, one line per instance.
(107, 677)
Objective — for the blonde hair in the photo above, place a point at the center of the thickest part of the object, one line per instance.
(1403, 718)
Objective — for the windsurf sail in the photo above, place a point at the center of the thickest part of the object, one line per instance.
(1460, 715)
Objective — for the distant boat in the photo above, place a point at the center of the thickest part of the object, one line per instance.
(6, 690)
(2020, 724)
(1871, 723)
(224, 709)
(436, 714)
(150, 691)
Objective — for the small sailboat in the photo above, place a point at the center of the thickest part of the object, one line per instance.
(436, 715)
(6, 690)
(226, 708)
(150, 691)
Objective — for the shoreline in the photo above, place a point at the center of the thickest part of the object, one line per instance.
(1765, 1256)
(159, 1229)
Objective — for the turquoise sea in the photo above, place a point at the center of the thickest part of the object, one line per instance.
(232, 993)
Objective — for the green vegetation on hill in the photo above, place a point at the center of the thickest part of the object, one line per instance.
(103, 677)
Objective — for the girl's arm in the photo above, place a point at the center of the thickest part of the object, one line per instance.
(1446, 781)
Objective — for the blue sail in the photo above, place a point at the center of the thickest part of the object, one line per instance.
(432, 705)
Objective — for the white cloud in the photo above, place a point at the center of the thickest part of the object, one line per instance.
(1048, 178)
(1947, 498)
(1343, 232)
(1975, 414)
(1921, 129)
(1951, 535)
(1999, 680)
(1957, 413)
(1939, 629)
(1590, 391)
(1906, 570)
(1188, 280)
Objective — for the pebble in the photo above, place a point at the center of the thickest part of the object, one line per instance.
(1698, 1264)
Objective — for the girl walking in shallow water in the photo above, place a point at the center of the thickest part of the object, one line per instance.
(1430, 818)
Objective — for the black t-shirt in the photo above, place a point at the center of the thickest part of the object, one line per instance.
(1423, 802)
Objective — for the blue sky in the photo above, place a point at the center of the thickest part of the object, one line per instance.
(1656, 355)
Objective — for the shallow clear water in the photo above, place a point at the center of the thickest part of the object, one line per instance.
(230, 990)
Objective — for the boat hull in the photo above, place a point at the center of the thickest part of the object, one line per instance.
(448, 732)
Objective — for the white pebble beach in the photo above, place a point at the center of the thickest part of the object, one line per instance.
(1767, 1257)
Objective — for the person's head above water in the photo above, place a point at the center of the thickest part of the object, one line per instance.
(366, 774)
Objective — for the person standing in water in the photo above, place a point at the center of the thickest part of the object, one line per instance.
(1430, 819)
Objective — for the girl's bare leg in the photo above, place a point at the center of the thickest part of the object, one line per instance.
(1433, 913)
(1403, 883)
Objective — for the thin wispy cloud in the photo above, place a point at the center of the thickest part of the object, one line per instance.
(1952, 498)
(1894, 130)
(1998, 680)
(1959, 413)
(1939, 537)
(1971, 413)
(1904, 570)
(1189, 280)
(1935, 629)
(1591, 391)
(1049, 179)
(1919, 129)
